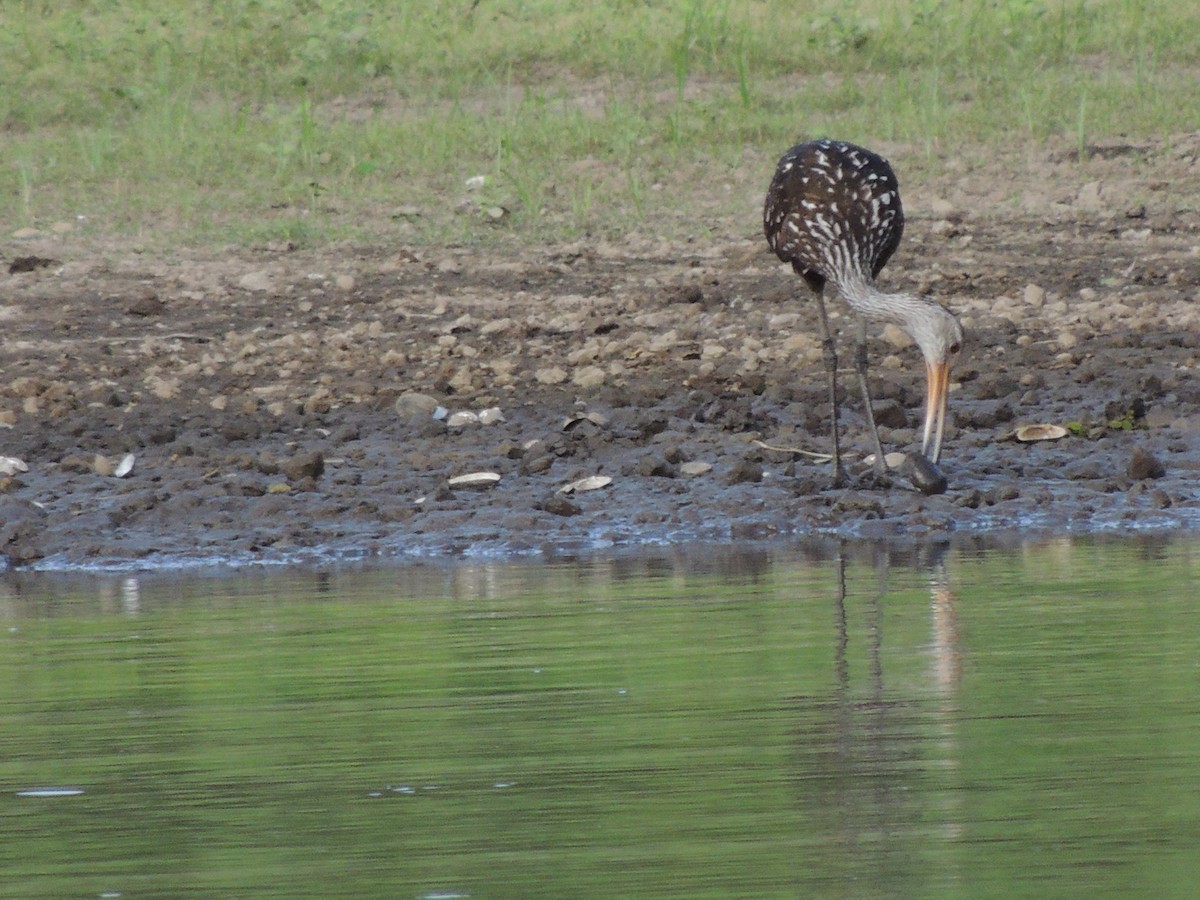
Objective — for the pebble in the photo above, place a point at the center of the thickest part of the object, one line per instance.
(744, 471)
(259, 281)
(655, 467)
(589, 377)
(303, 465)
(411, 404)
(1144, 464)
(560, 506)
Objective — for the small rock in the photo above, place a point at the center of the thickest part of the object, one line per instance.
(258, 281)
(889, 414)
(1143, 464)
(550, 375)
(896, 336)
(1089, 197)
(29, 264)
(1034, 296)
(695, 468)
(744, 471)
(655, 467)
(344, 283)
(491, 416)
(412, 404)
(535, 463)
(147, 303)
(589, 377)
(303, 465)
(560, 506)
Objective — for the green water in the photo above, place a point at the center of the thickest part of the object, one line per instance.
(693, 723)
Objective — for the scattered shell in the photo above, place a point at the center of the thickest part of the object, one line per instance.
(491, 415)
(1040, 433)
(463, 417)
(474, 480)
(591, 483)
(695, 468)
(10, 465)
(125, 466)
(893, 460)
(571, 421)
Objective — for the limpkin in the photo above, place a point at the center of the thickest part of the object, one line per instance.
(833, 211)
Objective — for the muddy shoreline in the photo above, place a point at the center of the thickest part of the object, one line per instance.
(257, 390)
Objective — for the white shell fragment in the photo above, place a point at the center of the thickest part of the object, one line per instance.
(125, 466)
(591, 483)
(10, 465)
(893, 460)
(489, 416)
(475, 480)
(1041, 433)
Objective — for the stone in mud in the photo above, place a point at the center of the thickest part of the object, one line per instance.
(889, 414)
(1001, 493)
(22, 523)
(146, 303)
(303, 465)
(655, 467)
(259, 281)
(1143, 464)
(536, 461)
(560, 506)
(744, 471)
(412, 404)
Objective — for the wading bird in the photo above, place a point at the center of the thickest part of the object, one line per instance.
(833, 211)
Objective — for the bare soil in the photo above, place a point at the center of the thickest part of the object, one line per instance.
(258, 390)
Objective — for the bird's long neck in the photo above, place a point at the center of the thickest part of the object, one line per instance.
(873, 304)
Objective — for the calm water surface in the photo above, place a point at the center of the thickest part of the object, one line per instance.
(848, 722)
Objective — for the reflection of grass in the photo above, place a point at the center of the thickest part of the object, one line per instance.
(620, 728)
(190, 118)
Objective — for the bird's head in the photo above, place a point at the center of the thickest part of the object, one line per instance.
(940, 337)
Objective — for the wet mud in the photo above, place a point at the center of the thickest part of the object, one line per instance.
(285, 404)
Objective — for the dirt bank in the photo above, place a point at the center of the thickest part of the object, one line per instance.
(257, 391)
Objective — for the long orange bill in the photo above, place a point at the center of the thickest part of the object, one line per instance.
(937, 392)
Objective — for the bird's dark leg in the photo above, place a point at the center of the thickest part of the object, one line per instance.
(829, 353)
(860, 366)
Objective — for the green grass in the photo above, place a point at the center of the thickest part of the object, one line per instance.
(247, 120)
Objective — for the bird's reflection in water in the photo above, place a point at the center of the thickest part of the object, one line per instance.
(876, 754)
